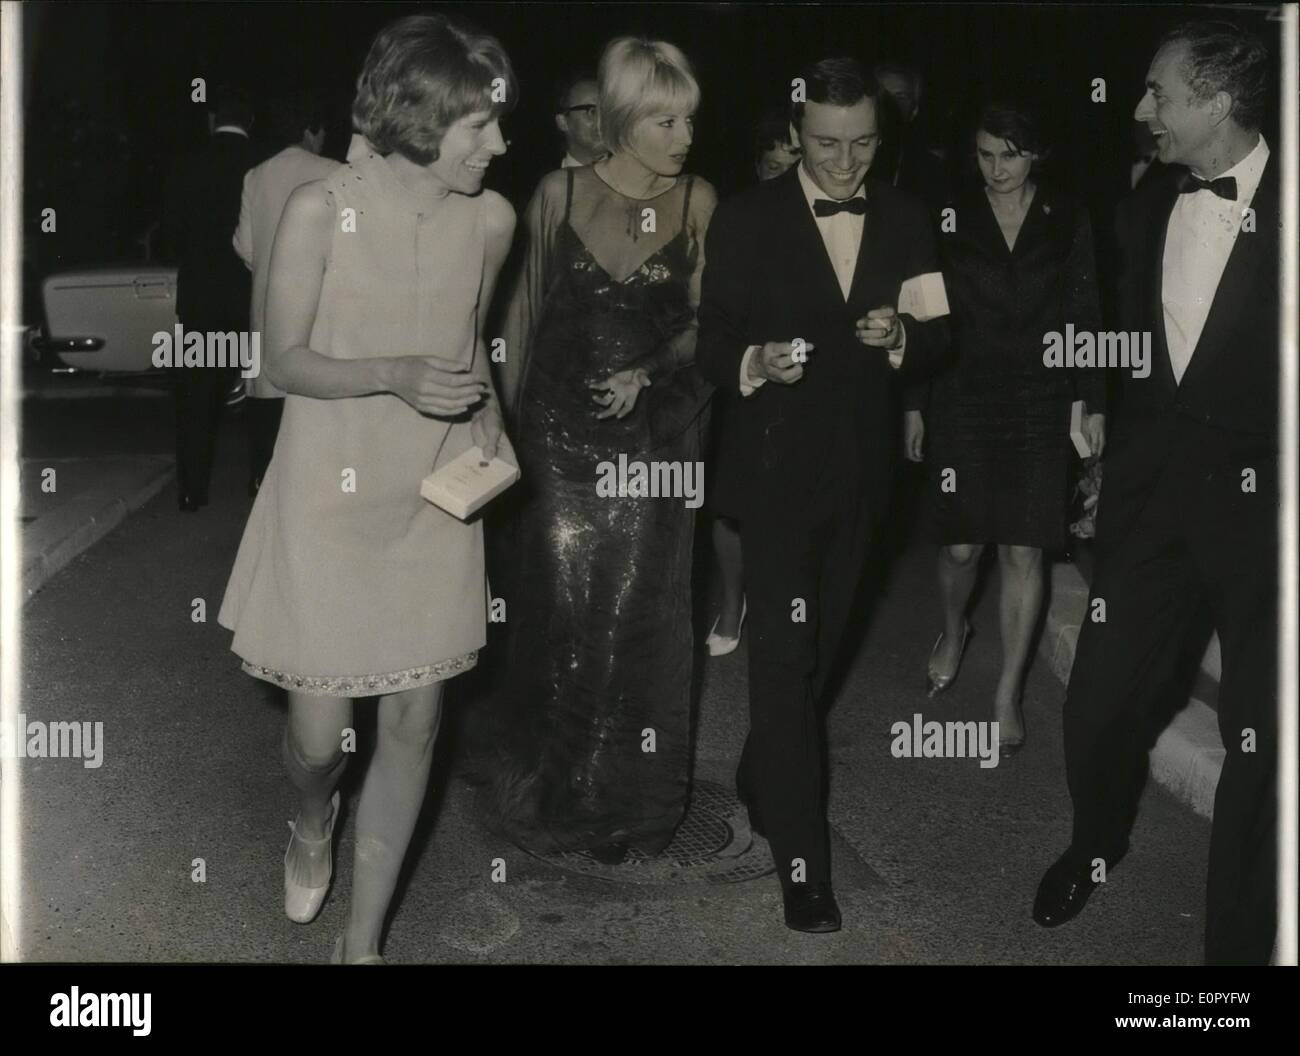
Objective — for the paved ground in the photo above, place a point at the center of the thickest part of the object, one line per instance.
(936, 860)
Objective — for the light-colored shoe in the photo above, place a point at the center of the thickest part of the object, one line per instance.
(302, 903)
(720, 646)
(337, 956)
(936, 683)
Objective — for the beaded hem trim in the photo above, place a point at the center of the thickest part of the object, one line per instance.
(366, 685)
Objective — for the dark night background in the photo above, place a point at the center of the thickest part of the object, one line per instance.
(108, 85)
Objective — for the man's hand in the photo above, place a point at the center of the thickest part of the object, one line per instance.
(913, 435)
(880, 328)
(775, 362)
(1094, 431)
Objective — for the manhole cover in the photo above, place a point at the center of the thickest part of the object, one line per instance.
(713, 845)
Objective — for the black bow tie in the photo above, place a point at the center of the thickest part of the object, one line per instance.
(1225, 186)
(828, 207)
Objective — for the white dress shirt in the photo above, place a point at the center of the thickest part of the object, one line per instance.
(1198, 241)
(842, 236)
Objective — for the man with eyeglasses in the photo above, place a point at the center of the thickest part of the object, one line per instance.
(575, 117)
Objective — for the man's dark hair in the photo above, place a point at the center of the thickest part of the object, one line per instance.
(231, 105)
(839, 81)
(1223, 57)
(568, 84)
(294, 112)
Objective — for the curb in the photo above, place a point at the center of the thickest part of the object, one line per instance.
(93, 392)
(85, 521)
(1188, 756)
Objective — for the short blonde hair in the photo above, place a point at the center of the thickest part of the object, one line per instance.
(637, 78)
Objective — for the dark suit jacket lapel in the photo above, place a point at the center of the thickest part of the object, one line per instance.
(864, 270)
(1249, 250)
(1156, 282)
(805, 241)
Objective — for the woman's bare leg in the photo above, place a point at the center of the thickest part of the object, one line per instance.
(1021, 602)
(314, 758)
(390, 803)
(958, 565)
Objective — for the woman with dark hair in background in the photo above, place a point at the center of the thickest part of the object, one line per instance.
(1018, 266)
(601, 366)
(774, 153)
(348, 583)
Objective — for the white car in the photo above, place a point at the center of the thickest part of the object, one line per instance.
(102, 320)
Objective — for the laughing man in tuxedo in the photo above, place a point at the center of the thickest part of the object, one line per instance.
(1187, 523)
(798, 314)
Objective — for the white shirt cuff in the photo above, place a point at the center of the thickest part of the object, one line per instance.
(896, 354)
(748, 386)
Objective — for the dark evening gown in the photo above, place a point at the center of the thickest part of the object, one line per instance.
(999, 417)
(598, 589)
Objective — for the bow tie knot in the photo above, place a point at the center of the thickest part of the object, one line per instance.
(829, 207)
(1225, 186)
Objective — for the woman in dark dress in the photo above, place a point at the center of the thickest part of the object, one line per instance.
(1018, 266)
(599, 587)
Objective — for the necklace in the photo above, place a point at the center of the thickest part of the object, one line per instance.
(632, 203)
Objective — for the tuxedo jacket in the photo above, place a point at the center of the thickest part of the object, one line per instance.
(1223, 415)
(200, 214)
(768, 277)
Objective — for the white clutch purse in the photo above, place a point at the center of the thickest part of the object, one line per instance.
(468, 483)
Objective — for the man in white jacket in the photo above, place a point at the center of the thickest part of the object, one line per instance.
(300, 123)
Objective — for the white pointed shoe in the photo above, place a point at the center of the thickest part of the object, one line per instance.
(302, 903)
(720, 646)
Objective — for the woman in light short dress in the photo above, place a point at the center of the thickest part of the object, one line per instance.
(347, 583)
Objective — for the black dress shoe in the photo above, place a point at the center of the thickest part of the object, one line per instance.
(811, 908)
(1063, 891)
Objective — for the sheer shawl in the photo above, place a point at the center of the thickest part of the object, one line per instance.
(621, 234)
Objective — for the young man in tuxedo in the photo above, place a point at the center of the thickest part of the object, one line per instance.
(200, 213)
(797, 314)
(1187, 523)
